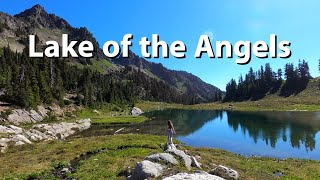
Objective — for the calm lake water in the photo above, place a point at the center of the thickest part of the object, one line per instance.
(272, 134)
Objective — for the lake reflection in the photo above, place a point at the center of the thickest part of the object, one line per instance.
(275, 134)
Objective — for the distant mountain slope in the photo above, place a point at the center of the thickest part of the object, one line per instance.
(183, 81)
(14, 31)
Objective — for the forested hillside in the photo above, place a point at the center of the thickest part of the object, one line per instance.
(183, 81)
(29, 82)
(257, 84)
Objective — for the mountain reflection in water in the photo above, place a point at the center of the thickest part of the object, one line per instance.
(276, 134)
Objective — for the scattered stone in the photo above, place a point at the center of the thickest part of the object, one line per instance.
(278, 174)
(39, 132)
(195, 163)
(17, 130)
(3, 144)
(65, 170)
(96, 111)
(225, 172)
(117, 131)
(168, 158)
(20, 140)
(186, 158)
(136, 111)
(5, 130)
(196, 176)
(56, 110)
(169, 147)
(146, 169)
(43, 111)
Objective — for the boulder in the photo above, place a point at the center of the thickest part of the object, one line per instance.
(166, 157)
(146, 169)
(22, 116)
(169, 146)
(186, 158)
(196, 176)
(195, 163)
(136, 111)
(19, 116)
(20, 139)
(17, 130)
(4, 130)
(225, 172)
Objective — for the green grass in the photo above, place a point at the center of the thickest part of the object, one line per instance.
(97, 65)
(101, 65)
(307, 100)
(259, 167)
(123, 151)
(110, 164)
(23, 161)
(109, 114)
(106, 110)
(119, 120)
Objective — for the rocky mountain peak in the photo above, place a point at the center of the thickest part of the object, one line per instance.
(36, 10)
(39, 18)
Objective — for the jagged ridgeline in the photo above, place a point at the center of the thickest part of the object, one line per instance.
(28, 81)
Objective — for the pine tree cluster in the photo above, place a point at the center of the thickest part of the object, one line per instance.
(29, 82)
(255, 85)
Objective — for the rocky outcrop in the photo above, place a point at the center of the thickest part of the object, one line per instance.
(152, 167)
(40, 132)
(162, 157)
(186, 158)
(136, 111)
(146, 169)
(225, 172)
(23, 116)
(196, 176)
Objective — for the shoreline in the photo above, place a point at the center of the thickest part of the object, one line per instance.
(234, 106)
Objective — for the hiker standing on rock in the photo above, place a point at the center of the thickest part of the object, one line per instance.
(170, 132)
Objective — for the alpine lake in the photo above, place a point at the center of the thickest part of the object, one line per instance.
(287, 134)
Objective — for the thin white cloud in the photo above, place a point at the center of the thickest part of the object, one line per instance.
(209, 33)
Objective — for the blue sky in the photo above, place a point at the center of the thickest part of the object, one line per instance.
(185, 20)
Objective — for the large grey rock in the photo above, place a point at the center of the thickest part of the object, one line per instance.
(146, 169)
(186, 158)
(136, 111)
(225, 172)
(5, 130)
(19, 116)
(196, 176)
(166, 157)
(22, 116)
(10, 129)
